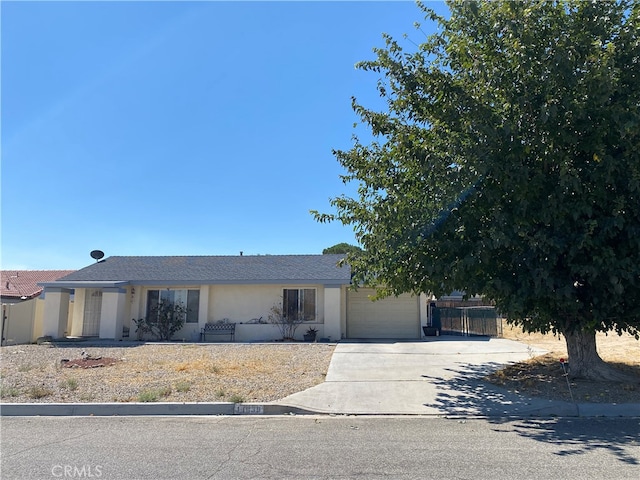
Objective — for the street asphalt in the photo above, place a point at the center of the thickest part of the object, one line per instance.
(437, 376)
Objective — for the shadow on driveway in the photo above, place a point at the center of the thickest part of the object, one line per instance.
(466, 393)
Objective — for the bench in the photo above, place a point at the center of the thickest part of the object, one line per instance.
(218, 329)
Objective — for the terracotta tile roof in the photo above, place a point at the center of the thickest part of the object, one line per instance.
(24, 283)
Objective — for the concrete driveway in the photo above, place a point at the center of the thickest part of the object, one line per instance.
(435, 376)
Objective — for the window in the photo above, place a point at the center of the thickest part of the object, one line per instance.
(190, 299)
(300, 303)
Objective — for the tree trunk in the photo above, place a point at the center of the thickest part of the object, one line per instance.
(584, 361)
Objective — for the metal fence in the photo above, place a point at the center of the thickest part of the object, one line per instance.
(468, 321)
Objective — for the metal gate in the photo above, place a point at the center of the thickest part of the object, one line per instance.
(469, 321)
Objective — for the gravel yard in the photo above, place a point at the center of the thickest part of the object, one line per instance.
(161, 372)
(257, 372)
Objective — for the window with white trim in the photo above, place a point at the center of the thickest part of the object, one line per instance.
(299, 303)
(189, 299)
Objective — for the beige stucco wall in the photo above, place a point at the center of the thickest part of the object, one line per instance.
(39, 317)
(77, 313)
(112, 312)
(56, 313)
(37, 322)
(134, 308)
(18, 322)
(24, 322)
(239, 303)
(332, 309)
(242, 303)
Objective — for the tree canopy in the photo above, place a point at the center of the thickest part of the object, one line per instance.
(508, 165)
(341, 248)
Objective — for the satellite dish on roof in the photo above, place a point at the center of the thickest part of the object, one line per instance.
(97, 255)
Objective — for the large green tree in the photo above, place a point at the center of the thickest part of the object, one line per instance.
(508, 164)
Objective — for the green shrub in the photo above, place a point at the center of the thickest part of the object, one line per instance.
(154, 394)
(183, 386)
(163, 320)
(9, 392)
(148, 396)
(37, 392)
(235, 398)
(69, 383)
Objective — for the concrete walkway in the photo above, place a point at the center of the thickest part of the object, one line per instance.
(436, 376)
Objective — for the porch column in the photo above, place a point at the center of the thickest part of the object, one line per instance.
(78, 312)
(424, 316)
(112, 314)
(332, 312)
(56, 311)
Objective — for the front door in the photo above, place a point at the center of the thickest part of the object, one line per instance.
(92, 310)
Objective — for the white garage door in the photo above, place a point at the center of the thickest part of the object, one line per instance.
(392, 317)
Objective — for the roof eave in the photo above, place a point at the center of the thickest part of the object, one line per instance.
(84, 284)
(122, 283)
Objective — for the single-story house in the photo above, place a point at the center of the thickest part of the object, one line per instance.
(242, 289)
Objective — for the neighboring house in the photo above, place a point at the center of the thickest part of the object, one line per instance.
(20, 285)
(22, 309)
(112, 292)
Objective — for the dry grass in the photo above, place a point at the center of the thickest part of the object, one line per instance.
(611, 347)
(163, 372)
(543, 376)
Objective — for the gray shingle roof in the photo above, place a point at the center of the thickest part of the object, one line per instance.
(245, 269)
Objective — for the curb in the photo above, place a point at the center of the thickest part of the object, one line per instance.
(125, 409)
(609, 410)
(629, 410)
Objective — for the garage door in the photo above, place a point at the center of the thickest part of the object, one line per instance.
(392, 317)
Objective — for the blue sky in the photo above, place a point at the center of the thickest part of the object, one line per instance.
(180, 128)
